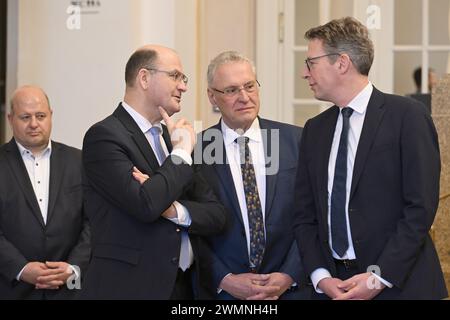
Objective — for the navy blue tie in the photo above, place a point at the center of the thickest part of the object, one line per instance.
(339, 192)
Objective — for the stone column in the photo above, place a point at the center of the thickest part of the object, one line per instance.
(441, 226)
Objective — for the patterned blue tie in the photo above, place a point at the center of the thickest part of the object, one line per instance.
(159, 151)
(339, 192)
(255, 218)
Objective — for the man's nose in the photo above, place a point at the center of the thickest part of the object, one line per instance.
(33, 122)
(243, 95)
(305, 72)
(182, 86)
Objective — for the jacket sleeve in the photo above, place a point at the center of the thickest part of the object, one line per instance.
(108, 163)
(81, 252)
(11, 260)
(305, 218)
(108, 168)
(420, 180)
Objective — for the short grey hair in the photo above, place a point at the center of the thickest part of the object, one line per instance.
(226, 57)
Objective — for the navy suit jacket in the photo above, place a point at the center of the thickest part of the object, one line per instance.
(229, 250)
(393, 199)
(135, 251)
(24, 237)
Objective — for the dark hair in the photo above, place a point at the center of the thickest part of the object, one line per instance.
(144, 58)
(346, 35)
(418, 77)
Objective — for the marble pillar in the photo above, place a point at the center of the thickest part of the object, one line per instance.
(441, 226)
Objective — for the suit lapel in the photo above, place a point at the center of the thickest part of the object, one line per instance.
(271, 180)
(166, 138)
(18, 168)
(329, 126)
(224, 173)
(374, 115)
(225, 177)
(137, 135)
(56, 174)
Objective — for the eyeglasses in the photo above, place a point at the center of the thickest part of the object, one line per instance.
(308, 60)
(249, 87)
(175, 74)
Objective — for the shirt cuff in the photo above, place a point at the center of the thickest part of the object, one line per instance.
(20, 273)
(219, 290)
(317, 275)
(386, 283)
(183, 216)
(183, 155)
(75, 272)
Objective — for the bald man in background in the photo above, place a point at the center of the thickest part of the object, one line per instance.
(44, 237)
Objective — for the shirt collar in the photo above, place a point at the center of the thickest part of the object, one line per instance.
(24, 151)
(142, 122)
(229, 135)
(361, 101)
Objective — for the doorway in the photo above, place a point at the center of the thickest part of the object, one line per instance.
(411, 34)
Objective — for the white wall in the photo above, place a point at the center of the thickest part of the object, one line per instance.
(224, 25)
(269, 65)
(83, 70)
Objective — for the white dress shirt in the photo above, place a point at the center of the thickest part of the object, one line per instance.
(359, 105)
(38, 168)
(256, 147)
(183, 216)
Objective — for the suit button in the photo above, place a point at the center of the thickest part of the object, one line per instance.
(175, 260)
(178, 230)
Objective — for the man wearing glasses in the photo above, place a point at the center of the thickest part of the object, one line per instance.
(368, 178)
(250, 163)
(147, 208)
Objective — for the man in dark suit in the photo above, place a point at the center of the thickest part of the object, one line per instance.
(425, 98)
(147, 207)
(257, 256)
(44, 237)
(368, 178)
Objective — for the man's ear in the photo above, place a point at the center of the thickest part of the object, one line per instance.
(143, 79)
(344, 62)
(211, 97)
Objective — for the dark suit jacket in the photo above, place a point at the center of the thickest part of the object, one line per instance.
(425, 98)
(23, 235)
(229, 250)
(135, 250)
(393, 199)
